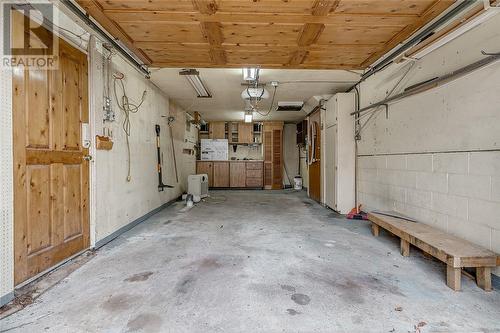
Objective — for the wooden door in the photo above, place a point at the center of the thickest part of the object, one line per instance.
(273, 155)
(217, 130)
(237, 174)
(51, 174)
(221, 174)
(314, 156)
(203, 167)
(245, 133)
(277, 159)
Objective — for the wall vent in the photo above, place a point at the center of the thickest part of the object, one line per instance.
(290, 106)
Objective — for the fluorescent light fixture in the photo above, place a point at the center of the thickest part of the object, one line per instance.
(250, 74)
(248, 117)
(193, 77)
(471, 24)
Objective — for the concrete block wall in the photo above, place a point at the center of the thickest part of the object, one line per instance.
(455, 192)
(435, 156)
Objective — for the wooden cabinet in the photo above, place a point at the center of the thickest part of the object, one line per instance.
(217, 130)
(245, 133)
(220, 174)
(273, 155)
(205, 167)
(237, 174)
(254, 174)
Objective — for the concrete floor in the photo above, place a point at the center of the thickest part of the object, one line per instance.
(257, 262)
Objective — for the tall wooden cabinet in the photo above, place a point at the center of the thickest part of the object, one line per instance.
(273, 155)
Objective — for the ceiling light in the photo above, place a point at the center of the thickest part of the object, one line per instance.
(193, 77)
(255, 93)
(248, 117)
(251, 74)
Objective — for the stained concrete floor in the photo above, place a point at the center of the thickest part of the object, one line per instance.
(257, 262)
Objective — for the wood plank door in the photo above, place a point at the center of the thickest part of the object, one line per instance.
(51, 170)
(314, 157)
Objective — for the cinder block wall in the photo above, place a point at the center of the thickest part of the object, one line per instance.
(436, 156)
(455, 192)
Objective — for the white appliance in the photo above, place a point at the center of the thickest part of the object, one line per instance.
(339, 153)
(198, 185)
(214, 150)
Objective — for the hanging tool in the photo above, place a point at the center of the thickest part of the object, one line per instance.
(170, 121)
(161, 186)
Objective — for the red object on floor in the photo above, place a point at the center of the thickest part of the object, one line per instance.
(357, 214)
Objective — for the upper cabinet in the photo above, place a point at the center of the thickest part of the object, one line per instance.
(217, 130)
(235, 132)
(245, 133)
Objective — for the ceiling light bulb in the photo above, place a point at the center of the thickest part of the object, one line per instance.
(248, 117)
(250, 74)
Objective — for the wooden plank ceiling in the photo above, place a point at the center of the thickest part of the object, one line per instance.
(313, 34)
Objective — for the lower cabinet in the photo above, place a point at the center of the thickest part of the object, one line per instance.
(237, 174)
(254, 174)
(205, 167)
(221, 174)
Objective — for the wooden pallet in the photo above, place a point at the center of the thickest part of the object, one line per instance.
(453, 251)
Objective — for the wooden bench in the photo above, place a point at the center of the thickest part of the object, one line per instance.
(453, 251)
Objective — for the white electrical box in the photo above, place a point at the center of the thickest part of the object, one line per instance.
(339, 153)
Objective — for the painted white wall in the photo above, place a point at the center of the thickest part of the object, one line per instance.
(436, 157)
(119, 202)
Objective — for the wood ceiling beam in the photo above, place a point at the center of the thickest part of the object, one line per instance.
(298, 57)
(310, 33)
(359, 20)
(212, 31)
(208, 7)
(218, 56)
(324, 7)
(94, 9)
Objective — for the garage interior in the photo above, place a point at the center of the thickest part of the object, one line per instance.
(251, 165)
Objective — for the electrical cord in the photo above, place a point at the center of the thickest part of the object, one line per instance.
(127, 107)
(271, 106)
